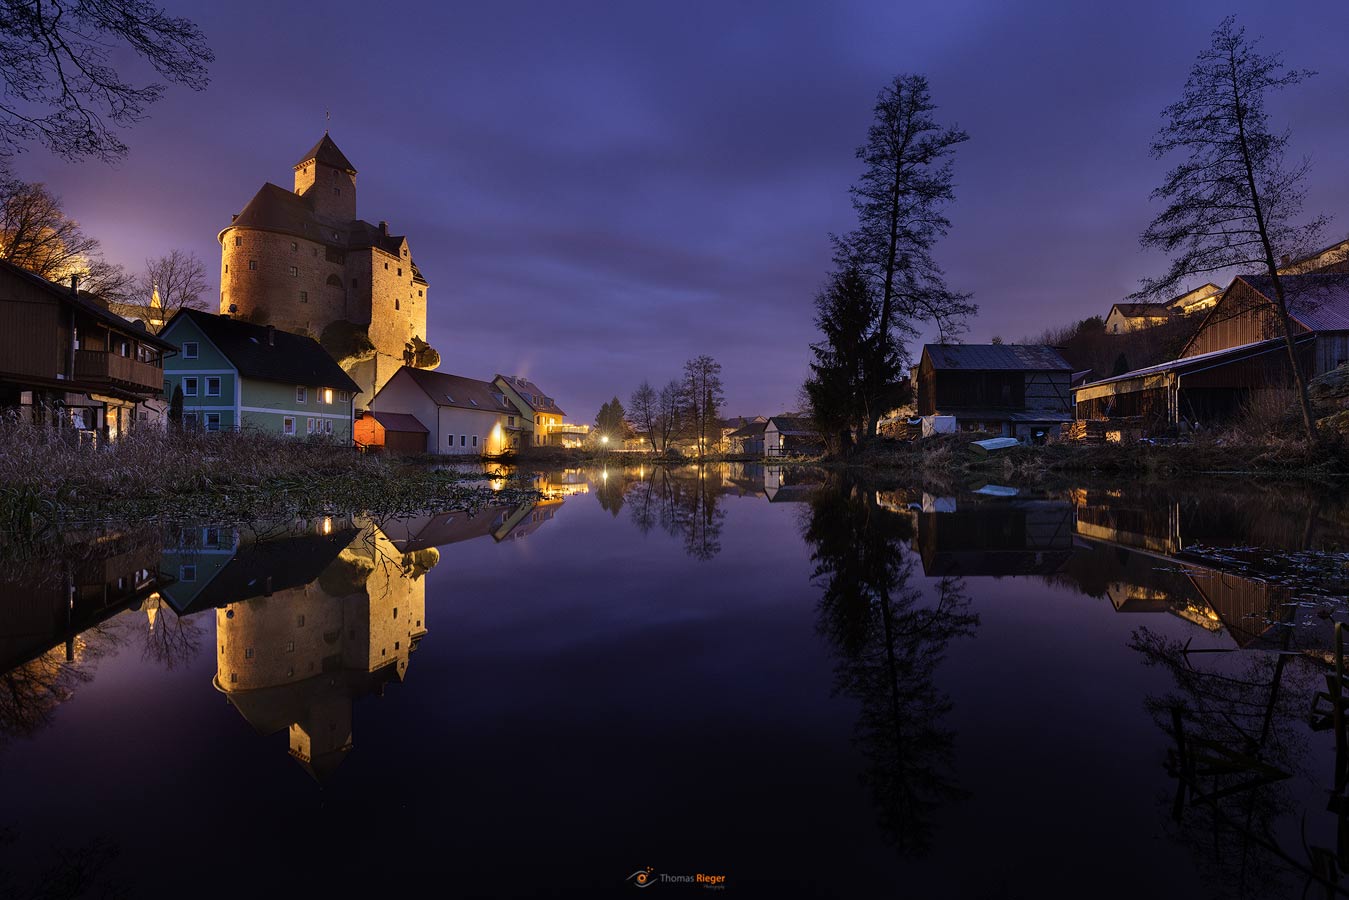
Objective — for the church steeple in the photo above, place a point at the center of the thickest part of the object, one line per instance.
(327, 179)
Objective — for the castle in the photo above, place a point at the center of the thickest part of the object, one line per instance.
(303, 262)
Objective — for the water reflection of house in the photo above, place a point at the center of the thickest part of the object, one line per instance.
(48, 605)
(996, 537)
(457, 526)
(308, 622)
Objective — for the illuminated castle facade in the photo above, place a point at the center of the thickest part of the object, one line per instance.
(302, 261)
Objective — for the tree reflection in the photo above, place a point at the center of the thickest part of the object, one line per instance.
(890, 638)
(31, 691)
(1237, 723)
(684, 504)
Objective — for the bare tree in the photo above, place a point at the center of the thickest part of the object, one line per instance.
(644, 412)
(704, 397)
(60, 86)
(900, 202)
(177, 281)
(36, 234)
(671, 421)
(1232, 201)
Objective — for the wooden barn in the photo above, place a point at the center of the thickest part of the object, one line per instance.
(400, 433)
(1237, 354)
(1015, 390)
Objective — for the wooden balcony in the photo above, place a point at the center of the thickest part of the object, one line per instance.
(99, 367)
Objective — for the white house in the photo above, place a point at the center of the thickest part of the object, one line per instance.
(462, 416)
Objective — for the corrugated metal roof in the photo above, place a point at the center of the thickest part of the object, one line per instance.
(977, 357)
(1318, 302)
(1199, 360)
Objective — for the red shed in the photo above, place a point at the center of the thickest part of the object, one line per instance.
(394, 432)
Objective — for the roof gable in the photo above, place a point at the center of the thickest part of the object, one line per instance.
(88, 303)
(269, 354)
(459, 392)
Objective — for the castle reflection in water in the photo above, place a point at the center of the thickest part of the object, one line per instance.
(312, 617)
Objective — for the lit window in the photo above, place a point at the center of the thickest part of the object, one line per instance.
(301, 394)
(189, 350)
(288, 425)
(327, 395)
(252, 265)
(189, 387)
(213, 386)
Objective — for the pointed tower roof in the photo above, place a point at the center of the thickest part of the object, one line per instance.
(326, 152)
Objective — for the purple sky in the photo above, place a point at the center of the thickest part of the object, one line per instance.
(598, 192)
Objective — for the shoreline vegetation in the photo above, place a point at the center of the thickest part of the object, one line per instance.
(50, 483)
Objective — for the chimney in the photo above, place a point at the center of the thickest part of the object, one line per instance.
(271, 336)
(384, 228)
(74, 284)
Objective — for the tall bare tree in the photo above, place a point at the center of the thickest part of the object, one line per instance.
(644, 412)
(900, 202)
(703, 397)
(1232, 201)
(61, 88)
(36, 233)
(178, 280)
(672, 418)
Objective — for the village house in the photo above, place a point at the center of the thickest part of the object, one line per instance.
(747, 439)
(1237, 353)
(791, 436)
(237, 375)
(540, 415)
(1012, 390)
(462, 416)
(65, 359)
(1126, 317)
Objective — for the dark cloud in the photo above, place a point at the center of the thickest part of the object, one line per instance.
(600, 191)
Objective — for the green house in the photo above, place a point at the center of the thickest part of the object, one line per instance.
(235, 375)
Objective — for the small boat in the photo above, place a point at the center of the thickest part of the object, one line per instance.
(993, 445)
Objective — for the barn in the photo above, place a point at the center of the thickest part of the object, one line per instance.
(1015, 390)
(1237, 354)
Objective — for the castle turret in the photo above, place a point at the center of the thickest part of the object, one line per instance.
(327, 179)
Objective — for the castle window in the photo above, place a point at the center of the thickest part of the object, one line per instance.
(248, 653)
(337, 192)
(386, 267)
(234, 677)
(227, 268)
(405, 251)
(304, 296)
(400, 271)
(300, 393)
(294, 271)
(315, 250)
(252, 265)
(353, 282)
(290, 646)
(419, 293)
(299, 621)
(334, 281)
(395, 303)
(238, 241)
(294, 246)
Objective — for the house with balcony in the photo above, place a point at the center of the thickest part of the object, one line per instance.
(235, 374)
(66, 359)
(542, 420)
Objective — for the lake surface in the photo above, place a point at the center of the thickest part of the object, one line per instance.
(801, 682)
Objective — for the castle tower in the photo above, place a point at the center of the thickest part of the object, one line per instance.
(327, 179)
(302, 261)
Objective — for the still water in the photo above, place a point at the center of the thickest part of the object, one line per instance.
(756, 681)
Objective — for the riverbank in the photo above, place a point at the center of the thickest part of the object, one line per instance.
(49, 482)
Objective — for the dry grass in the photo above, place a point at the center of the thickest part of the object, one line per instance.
(49, 480)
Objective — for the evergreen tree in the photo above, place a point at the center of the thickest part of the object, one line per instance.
(176, 407)
(1121, 365)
